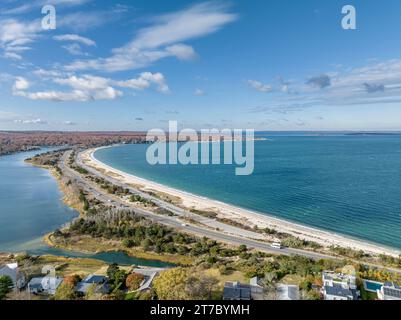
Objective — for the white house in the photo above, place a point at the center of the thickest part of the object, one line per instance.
(339, 286)
(11, 270)
(389, 291)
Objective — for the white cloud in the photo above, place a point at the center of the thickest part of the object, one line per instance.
(260, 86)
(199, 92)
(377, 83)
(34, 4)
(21, 84)
(86, 20)
(14, 35)
(12, 55)
(58, 96)
(182, 51)
(75, 49)
(162, 39)
(75, 38)
(144, 81)
(30, 121)
(88, 87)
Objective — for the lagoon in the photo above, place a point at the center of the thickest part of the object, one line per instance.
(31, 206)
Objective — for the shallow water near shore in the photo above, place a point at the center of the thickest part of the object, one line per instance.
(31, 207)
(347, 184)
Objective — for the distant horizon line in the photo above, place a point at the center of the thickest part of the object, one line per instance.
(256, 131)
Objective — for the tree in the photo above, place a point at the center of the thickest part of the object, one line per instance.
(170, 285)
(112, 269)
(201, 288)
(93, 292)
(72, 280)
(65, 291)
(134, 280)
(119, 279)
(6, 286)
(269, 285)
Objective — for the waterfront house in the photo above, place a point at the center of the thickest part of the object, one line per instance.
(339, 286)
(389, 291)
(44, 285)
(11, 270)
(236, 291)
(287, 292)
(99, 282)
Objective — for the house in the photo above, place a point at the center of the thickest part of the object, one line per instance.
(100, 283)
(11, 270)
(257, 292)
(287, 292)
(236, 291)
(44, 285)
(389, 291)
(149, 275)
(338, 286)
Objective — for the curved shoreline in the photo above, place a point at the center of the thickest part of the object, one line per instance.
(245, 216)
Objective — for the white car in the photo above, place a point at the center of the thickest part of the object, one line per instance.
(276, 245)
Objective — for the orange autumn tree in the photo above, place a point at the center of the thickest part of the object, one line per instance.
(134, 280)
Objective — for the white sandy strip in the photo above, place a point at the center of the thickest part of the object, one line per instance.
(244, 216)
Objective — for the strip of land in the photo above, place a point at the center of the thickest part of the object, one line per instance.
(228, 212)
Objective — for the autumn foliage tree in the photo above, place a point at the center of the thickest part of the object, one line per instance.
(170, 285)
(134, 280)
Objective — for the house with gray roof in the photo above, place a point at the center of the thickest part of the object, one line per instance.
(12, 271)
(99, 283)
(236, 291)
(338, 286)
(44, 285)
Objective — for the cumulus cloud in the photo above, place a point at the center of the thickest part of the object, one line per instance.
(162, 39)
(321, 82)
(144, 81)
(21, 84)
(260, 86)
(89, 87)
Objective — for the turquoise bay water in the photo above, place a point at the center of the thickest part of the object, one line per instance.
(31, 206)
(346, 184)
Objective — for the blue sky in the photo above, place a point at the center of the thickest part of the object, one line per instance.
(134, 65)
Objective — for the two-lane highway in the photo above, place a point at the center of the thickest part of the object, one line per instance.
(173, 222)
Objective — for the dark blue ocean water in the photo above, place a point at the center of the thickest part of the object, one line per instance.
(347, 184)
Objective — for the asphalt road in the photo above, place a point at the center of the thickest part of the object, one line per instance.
(173, 222)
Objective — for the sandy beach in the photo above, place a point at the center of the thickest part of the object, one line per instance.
(244, 216)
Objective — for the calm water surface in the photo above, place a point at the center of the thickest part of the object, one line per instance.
(346, 184)
(31, 206)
